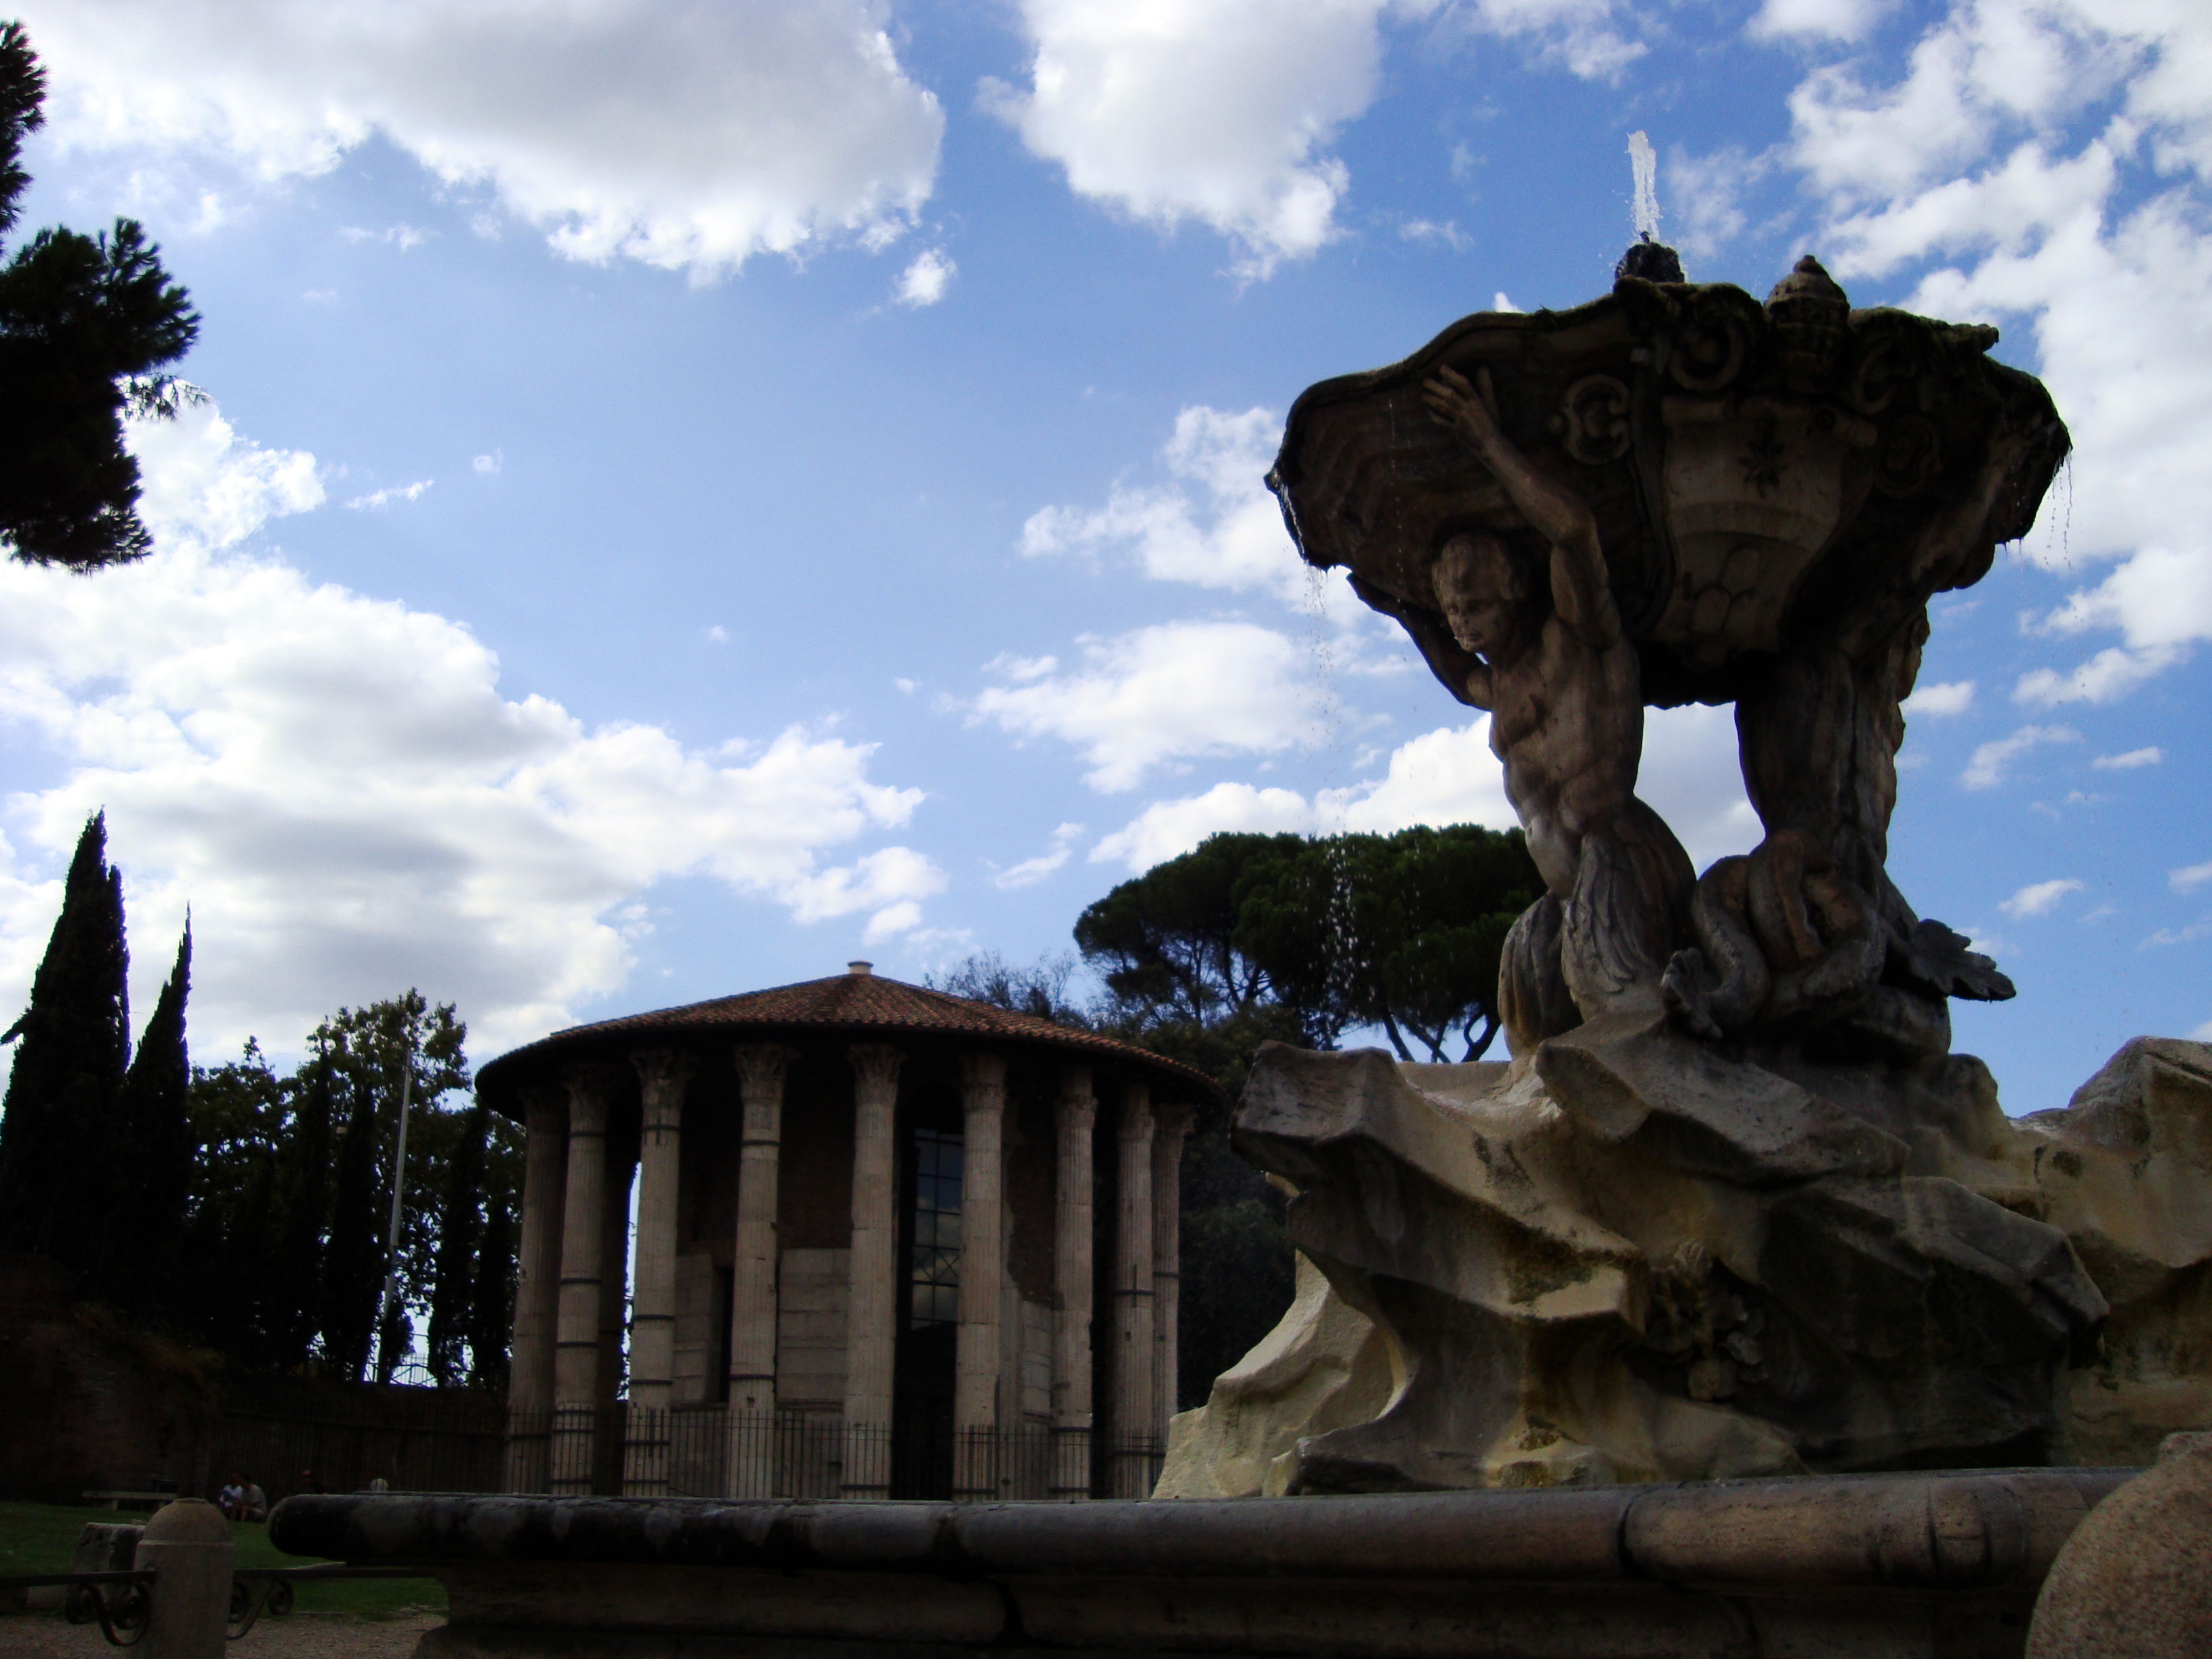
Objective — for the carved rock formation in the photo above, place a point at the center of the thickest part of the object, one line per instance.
(1631, 1256)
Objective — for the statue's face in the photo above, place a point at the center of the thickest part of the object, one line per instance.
(1480, 590)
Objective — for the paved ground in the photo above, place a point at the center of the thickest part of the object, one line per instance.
(297, 1636)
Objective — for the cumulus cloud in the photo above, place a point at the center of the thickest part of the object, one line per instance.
(924, 281)
(1160, 696)
(1029, 871)
(1955, 697)
(1986, 767)
(2128, 761)
(1215, 525)
(1449, 776)
(2049, 166)
(689, 134)
(1846, 21)
(1217, 110)
(1169, 828)
(2038, 898)
(383, 498)
(340, 790)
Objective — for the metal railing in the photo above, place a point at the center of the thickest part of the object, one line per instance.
(710, 1451)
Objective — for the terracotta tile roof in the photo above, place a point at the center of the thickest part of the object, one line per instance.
(850, 1003)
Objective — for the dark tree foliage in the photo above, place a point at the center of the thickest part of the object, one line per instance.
(491, 1309)
(300, 1173)
(353, 1256)
(55, 1196)
(86, 324)
(1253, 937)
(292, 1199)
(1401, 932)
(151, 1156)
(230, 1281)
(460, 1232)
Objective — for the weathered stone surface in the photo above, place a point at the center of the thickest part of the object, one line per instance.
(2134, 1580)
(1630, 1256)
(2125, 1169)
(1881, 1567)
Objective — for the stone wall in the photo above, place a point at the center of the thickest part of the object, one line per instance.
(90, 1403)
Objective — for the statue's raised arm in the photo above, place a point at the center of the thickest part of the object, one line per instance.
(1581, 594)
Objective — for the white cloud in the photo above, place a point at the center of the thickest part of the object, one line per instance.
(382, 498)
(2151, 756)
(337, 788)
(1991, 158)
(1029, 871)
(491, 463)
(2109, 675)
(2203, 1033)
(689, 134)
(2037, 899)
(1499, 301)
(405, 238)
(1168, 828)
(1161, 696)
(2188, 935)
(924, 281)
(1692, 776)
(1987, 767)
(1829, 19)
(2189, 879)
(1704, 195)
(1218, 111)
(1583, 37)
(1442, 777)
(1450, 777)
(1217, 525)
(1955, 697)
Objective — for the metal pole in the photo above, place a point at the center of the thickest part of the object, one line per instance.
(391, 1237)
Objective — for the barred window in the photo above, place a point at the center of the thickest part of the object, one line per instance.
(936, 1254)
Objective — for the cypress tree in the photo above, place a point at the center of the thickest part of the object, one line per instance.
(62, 1098)
(491, 1312)
(460, 1227)
(152, 1147)
(353, 1260)
(303, 1209)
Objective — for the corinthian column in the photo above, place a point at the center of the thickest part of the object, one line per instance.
(661, 1075)
(1169, 1125)
(583, 1238)
(1072, 1281)
(1134, 1358)
(751, 1470)
(982, 1268)
(536, 1292)
(872, 1285)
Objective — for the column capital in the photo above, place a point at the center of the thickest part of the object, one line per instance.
(544, 1100)
(1136, 1113)
(661, 1070)
(1075, 1084)
(762, 1067)
(875, 1065)
(983, 1080)
(1171, 1120)
(591, 1093)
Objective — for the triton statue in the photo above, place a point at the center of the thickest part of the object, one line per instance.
(1732, 503)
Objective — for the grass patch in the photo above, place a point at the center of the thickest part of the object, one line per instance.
(41, 1538)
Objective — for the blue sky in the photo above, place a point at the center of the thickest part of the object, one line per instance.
(693, 493)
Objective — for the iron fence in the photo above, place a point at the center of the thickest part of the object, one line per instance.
(456, 1445)
(710, 1451)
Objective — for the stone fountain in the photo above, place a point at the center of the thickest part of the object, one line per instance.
(1733, 1208)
